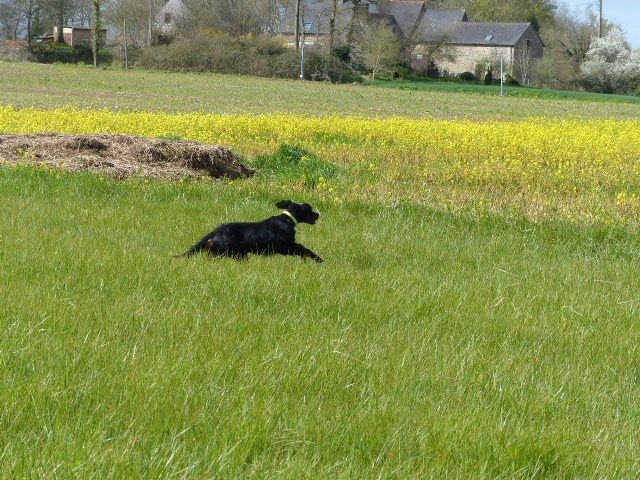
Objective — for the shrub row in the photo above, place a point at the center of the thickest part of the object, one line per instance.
(52, 52)
(247, 55)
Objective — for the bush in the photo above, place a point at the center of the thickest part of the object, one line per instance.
(611, 66)
(511, 80)
(52, 52)
(402, 70)
(261, 56)
(488, 78)
(320, 66)
(292, 162)
(342, 53)
(467, 76)
(430, 71)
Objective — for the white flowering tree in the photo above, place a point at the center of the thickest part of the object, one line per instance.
(611, 66)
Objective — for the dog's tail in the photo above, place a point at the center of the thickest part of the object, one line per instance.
(191, 252)
(205, 244)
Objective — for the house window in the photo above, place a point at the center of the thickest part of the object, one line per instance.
(167, 17)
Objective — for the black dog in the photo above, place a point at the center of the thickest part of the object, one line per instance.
(273, 235)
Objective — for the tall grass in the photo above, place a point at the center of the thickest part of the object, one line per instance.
(427, 345)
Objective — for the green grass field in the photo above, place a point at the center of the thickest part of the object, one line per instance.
(521, 91)
(49, 86)
(428, 345)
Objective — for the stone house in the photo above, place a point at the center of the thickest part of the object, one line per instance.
(473, 47)
(167, 19)
(445, 37)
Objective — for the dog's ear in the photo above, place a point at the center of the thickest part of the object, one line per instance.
(284, 204)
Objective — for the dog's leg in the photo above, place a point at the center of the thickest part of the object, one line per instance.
(302, 251)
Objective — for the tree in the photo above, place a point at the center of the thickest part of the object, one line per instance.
(11, 18)
(58, 9)
(135, 14)
(610, 65)
(538, 12)
(523, 63)
(567, 40)
(29, 9)
(236, 17)
(153, 8)
(377, 47)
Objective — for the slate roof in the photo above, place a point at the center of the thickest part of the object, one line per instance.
(488, 33)
(433, 23)
(405, 14)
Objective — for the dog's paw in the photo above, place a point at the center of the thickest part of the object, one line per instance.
(318, 259)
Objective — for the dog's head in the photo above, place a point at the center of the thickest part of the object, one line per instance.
(303, 212)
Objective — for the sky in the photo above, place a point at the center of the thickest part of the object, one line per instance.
(625, 13)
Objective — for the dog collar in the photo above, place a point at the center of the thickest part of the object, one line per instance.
(288, 214)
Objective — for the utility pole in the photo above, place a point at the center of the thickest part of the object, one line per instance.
(296, 30)
(600, 28)
(501, 77)
(302, 53)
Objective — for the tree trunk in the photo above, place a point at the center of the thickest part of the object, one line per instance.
(360, 14)
(332, 25)
(95, 31)
(29, 43)
(60, 20)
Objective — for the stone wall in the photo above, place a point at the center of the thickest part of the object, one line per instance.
(465, 58)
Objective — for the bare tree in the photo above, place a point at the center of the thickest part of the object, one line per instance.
(523, 63)
(236, 17)
(134, 12)
(11, 19)
(270, 12)
(153, 10)
(29, 9)
(80, 12)
(567, 42)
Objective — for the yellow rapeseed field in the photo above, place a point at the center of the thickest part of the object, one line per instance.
(586, 170)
